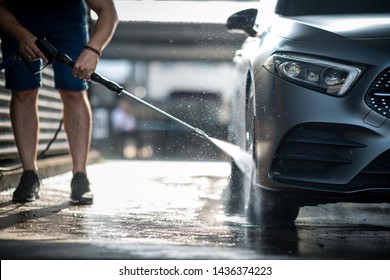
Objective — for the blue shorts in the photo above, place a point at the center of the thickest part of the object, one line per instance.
(66, 30)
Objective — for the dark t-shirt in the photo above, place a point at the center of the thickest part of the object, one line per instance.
(39, 6)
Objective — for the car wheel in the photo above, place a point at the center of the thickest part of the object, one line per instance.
(240, 181)
(265, 207)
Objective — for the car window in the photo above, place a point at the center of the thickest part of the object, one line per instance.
(318, 7)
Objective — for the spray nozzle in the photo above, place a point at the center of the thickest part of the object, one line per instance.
(200, 132)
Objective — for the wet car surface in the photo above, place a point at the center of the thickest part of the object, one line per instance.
(175, 210)
(310, 86)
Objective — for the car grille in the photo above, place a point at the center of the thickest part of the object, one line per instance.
(319, 153)
(376, 174)
(307, 150)
(378, 96)
(381, 165)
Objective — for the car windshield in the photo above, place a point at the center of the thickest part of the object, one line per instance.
(319, 7)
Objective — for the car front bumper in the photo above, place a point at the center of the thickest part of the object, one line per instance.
(311, 142)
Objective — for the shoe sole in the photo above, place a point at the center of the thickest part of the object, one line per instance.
(82, 202)
(26, 199)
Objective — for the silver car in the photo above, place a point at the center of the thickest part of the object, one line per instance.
(312, 105)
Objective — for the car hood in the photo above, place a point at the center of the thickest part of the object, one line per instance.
(351, 26)
(332, 27)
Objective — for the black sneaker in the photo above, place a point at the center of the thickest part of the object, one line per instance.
(80, 191)
(28, 188)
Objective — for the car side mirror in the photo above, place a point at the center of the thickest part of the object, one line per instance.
(243, 21)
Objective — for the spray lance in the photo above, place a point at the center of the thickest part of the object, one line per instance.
(242, 159)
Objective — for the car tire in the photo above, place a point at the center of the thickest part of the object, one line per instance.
(239, 184)
(270, 208)
(235, 196)
(265, 207)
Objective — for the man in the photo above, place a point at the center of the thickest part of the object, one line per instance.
(64, 24)
(124, 127)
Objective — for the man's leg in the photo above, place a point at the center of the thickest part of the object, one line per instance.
(78, 124)
(25, 125)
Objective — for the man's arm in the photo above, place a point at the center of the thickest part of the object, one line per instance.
(104, 29)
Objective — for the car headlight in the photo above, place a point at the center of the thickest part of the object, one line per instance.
(321, 75)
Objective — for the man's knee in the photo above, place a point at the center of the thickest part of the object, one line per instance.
(25, 96)
(73, 98)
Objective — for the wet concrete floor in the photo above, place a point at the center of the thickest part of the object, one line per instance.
(175, 210)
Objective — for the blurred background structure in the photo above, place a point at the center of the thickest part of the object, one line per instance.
(176, 55)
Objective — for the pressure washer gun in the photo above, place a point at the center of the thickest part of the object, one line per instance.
(53, 55)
